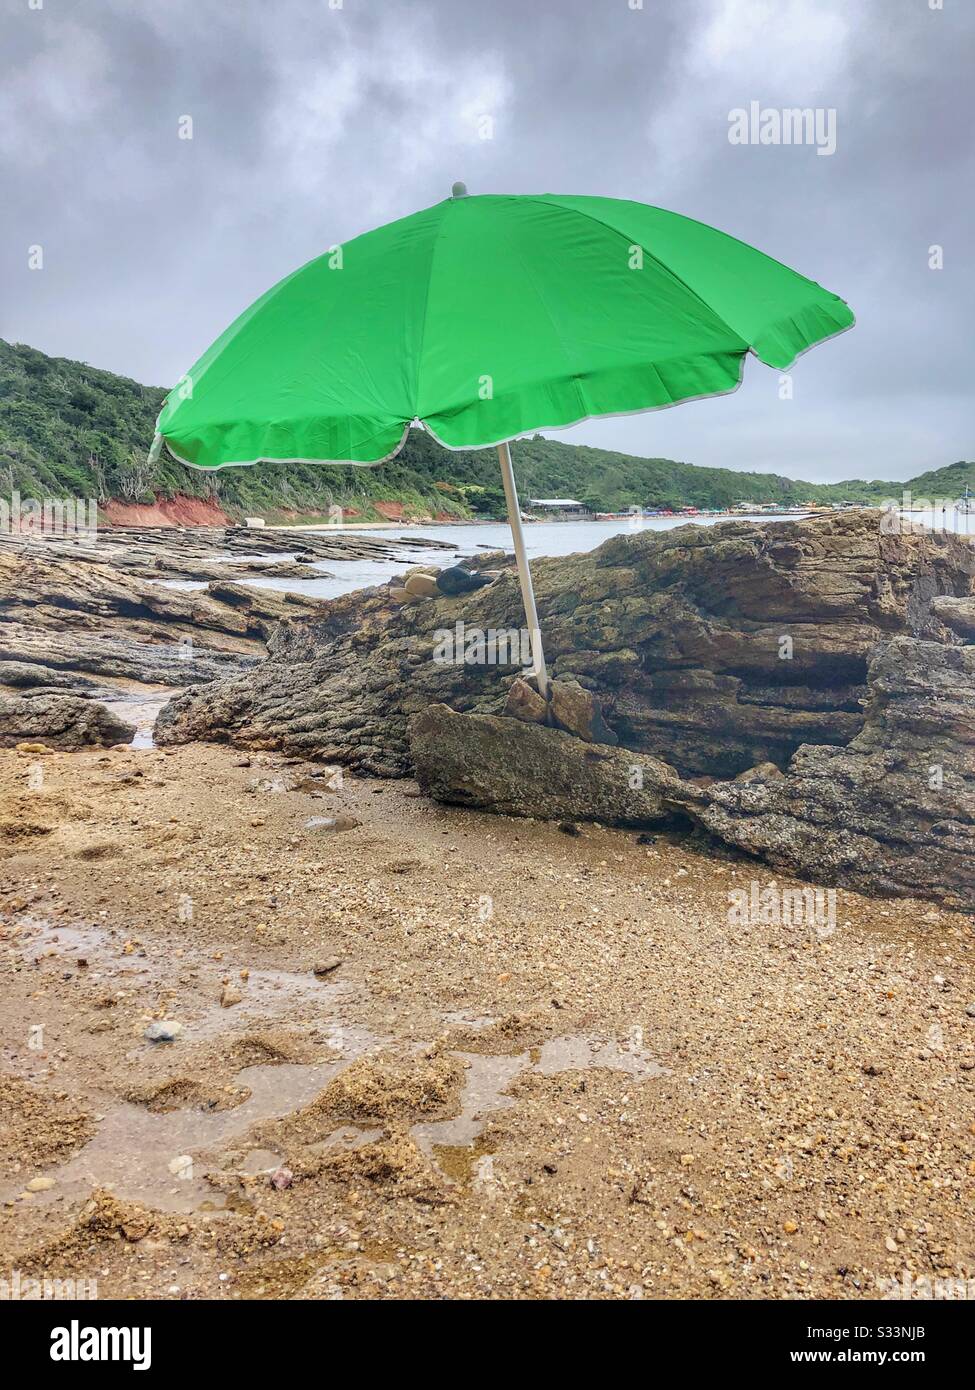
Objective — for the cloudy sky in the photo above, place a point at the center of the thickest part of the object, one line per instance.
(313, 120)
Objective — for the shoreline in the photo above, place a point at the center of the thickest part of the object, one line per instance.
(410, 524)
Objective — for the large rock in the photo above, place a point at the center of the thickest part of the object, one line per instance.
(956, 613)
(577, 710)
(714, 648)
(892, 812)
(524, 769)
(822, 658)
(524, 702)
(59, 721)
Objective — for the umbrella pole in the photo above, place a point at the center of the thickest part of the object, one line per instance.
(524, 573)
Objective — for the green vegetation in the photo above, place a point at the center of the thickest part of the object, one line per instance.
(70, 430)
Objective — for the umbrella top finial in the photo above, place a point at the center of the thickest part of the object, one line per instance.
(459, 190)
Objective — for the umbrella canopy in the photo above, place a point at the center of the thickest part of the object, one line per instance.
(485, 317)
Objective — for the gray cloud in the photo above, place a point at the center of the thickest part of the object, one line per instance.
(313, 123)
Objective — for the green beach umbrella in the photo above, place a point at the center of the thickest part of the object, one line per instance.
(483, 318)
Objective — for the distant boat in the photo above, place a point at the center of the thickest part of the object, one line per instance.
(966, 503)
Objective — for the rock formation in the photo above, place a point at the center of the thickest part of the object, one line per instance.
(527, 769)
(59, 721)
(893, 811)
(956, 613)
(76, 603)
(824, 649)
(65, 619)
(715, 648)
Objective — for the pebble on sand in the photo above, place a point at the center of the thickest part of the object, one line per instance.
(163, 1030)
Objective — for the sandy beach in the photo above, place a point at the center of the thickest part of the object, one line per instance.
(584, 1082)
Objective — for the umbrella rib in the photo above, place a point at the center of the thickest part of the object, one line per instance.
(572, 372)
(635, 241)
(426, 309)
(553, 201)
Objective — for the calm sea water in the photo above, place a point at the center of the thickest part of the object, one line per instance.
(541, 538)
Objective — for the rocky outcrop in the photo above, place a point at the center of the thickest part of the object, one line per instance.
(59, 721)
(894, 811)
(207, 552)
(65, 659)
(956, 613)
(760, 642)
(102, 604)
(790, 684)
(527, 769)
(714, 648)
(43, 589)
(32, 675)
(70, 618)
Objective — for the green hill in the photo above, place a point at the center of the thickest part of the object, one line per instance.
(70, 430)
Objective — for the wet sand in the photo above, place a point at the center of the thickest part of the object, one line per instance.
(531, 1064)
